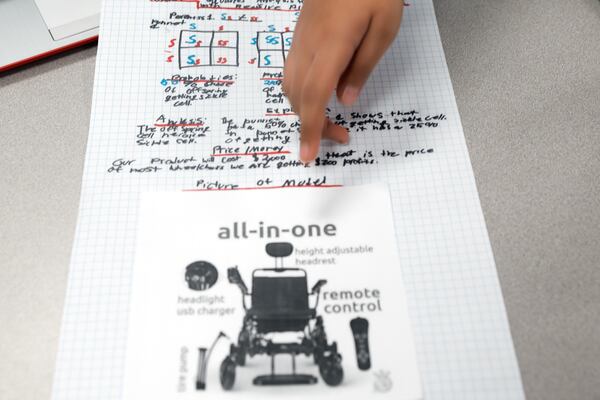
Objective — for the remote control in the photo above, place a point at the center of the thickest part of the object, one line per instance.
(360, 331)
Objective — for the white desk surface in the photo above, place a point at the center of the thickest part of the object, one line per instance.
(527, 81)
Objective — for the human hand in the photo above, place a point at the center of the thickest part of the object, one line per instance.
(336, 46)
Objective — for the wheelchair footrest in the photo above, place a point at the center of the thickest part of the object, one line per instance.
(285, 379)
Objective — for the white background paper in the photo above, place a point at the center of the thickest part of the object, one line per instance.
(177, 229)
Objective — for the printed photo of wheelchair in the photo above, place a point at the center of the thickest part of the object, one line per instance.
(280, 305)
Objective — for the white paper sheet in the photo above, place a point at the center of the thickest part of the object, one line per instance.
(151, 132)
(65, 18)
(182, 299)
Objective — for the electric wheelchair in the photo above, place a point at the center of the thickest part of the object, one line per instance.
(280, 304)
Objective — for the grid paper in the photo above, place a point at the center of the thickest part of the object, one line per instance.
(463, 341)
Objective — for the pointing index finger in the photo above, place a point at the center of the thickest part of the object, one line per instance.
(320, 82)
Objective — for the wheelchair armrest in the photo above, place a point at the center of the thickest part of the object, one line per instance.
(317, 288)
(233, 275)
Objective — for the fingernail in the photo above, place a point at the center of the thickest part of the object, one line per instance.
(350, 95)
(305, 153)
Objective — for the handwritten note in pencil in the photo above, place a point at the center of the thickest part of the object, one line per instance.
(188, 97)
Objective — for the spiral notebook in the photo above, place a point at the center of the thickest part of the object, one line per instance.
(187, 97)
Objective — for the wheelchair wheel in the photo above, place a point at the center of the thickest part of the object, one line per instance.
(227, 373)
(331, 370)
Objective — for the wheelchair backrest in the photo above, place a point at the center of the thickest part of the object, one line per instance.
(280, 290)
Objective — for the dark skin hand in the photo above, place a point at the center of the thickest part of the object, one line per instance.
(357, 33)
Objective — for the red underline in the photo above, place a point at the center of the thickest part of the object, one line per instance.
(200, 7)
(263, 153)
(280, 115)
(175, 1)
(271, 79)
(201, 80)
(262, 188)
(175, 125)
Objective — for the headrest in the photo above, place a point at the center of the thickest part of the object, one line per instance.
(279, 249)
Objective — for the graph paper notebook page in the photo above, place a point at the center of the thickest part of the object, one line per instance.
(187, 96)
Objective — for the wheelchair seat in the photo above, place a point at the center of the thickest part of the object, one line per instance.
(280, 301)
